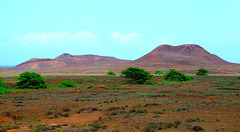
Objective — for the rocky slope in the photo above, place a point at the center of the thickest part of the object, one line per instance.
(67, 60)
(188, 54)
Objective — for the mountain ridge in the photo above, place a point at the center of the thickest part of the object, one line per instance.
(163, 55)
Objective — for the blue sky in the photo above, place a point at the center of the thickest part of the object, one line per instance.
(126, 29)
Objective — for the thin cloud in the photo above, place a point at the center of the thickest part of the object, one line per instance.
(125, 37)
(52, 39)
(31, 37)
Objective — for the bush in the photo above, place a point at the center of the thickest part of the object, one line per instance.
(31, 80)
(159, 72)
(202, 72)
(4, 90)
(65, 84)
(196, 128)
(238, 77)
(2, 84)
(155, 126)
(136, 75)
(176, 76)
(110, 73)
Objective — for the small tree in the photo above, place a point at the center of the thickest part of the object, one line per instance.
(31, 80)
(176, 76)
(202, 72)
(136, 75)
(159, 72)
(110, 73)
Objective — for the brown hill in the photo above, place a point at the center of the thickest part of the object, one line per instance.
(188, 54)
(185, 58)
(67, 60)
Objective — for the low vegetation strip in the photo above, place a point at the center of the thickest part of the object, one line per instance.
(228, 88)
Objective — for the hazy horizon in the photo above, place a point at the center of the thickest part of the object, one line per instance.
(122, 29)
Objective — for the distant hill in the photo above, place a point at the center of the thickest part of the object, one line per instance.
(186, 58)
(188, 54)
(67, 60)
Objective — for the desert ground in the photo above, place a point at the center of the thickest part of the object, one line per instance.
(108, 103)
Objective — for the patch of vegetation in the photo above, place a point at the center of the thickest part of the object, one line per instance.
(40, 128)
(13, 72)
(155, 95)
(117, 88)
(92, 128)
(92, 80)
(137, 110)
(158, 112)
(136, 75)
(115, 108)
(202, 72)
(31, 80)
(195, 119)
(3, 90)
(196, 128)
(113, 84)
(176, 76)
(89, 109)
(159, 72)
(228, 88)
(65, 84)
(2, 84)
(8, 127)
(110, 73)
(238, 77)
(155, 126)
(150, 83)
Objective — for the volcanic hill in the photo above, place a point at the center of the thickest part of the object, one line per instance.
(188, 54)
(186, 58)
(67, 60)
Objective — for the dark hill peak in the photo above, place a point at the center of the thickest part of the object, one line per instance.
(167, 47)
(65, 55)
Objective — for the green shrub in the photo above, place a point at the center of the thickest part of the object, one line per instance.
(238, 77)
(136, 75)
(31, 80)
(2, 84)
(4, 90)
(176, 76)
(150, 83)
(110, 73)
(202, 72)
(159, 72)
(92, 80)
(65, 84)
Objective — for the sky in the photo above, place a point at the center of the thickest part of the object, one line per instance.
(125, 29)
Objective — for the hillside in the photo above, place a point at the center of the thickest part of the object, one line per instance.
(67, 60)
(186, 58)
(188, 54)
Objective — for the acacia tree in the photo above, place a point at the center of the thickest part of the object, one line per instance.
(176, 76)
(159, 72)
(136, 75)
(202, 72)
(31, 80)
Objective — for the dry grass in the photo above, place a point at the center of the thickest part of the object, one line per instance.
(109, 104)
